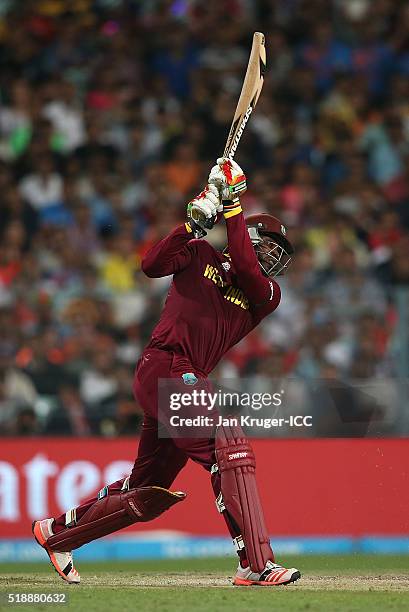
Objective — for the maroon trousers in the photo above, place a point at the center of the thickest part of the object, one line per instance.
(160, 459)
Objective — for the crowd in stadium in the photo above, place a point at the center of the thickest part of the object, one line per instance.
(111, 116)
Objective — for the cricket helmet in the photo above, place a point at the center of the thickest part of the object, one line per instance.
(269, 238)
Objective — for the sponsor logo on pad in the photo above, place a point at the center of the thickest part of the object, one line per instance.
(241, 455)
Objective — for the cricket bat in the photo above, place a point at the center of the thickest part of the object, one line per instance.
(250, 93)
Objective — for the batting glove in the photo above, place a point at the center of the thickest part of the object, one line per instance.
(202, 211)
(229, 178)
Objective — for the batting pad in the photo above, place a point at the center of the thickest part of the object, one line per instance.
(240, 497)
(113, 512)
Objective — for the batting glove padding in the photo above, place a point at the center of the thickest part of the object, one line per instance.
(230, 180)
(202, 211)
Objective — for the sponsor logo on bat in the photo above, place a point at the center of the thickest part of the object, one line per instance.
(236, 140)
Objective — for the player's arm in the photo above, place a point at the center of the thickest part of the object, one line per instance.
(170, 254)
(174, 253)
(259, 289)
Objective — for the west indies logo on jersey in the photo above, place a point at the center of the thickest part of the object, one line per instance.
(230, 293)
(214, 275)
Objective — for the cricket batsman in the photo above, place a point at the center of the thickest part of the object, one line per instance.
(215, 299)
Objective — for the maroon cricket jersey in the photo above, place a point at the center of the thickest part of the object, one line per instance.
(215, 299)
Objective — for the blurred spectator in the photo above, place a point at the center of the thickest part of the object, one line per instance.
(42, 188)
(120, 265)
(98, 383)
(65, 115)
(183, 170)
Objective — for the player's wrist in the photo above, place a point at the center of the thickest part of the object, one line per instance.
(231, 208)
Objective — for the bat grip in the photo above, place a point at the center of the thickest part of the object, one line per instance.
(209, 223)
(202, 221)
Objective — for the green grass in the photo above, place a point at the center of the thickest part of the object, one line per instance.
(339, 583)
(345, 564)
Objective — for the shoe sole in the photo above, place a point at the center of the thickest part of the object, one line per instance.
(42, 542)
(244, 582)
